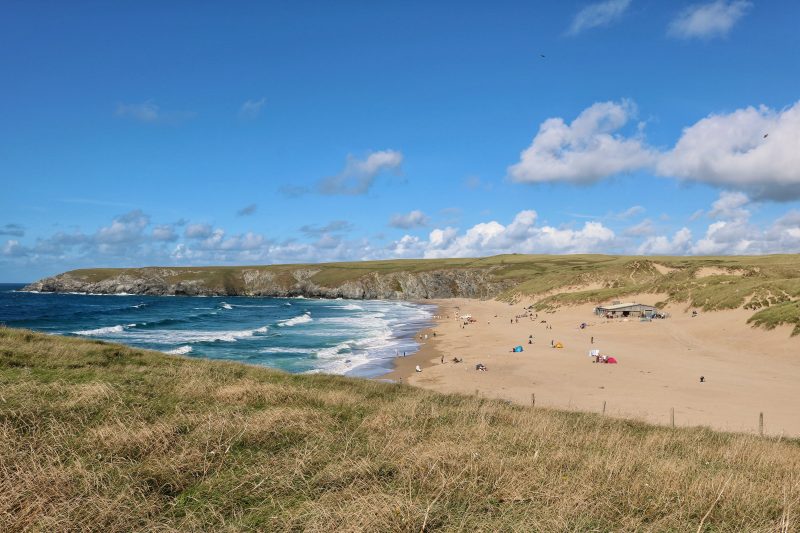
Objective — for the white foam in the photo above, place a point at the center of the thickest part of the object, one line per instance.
(302, 319)
(278, 349)
(169, 336)
(104, 331)
(180, 350)
(333, 351)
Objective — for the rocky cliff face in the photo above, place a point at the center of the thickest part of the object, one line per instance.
(446, 283)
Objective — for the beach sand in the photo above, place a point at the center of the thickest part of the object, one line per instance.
(748, 371)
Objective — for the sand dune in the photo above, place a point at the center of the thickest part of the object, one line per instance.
(747, 371)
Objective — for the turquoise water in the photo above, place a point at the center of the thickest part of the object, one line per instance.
(297, 335)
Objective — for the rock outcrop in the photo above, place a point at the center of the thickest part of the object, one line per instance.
(402, 285)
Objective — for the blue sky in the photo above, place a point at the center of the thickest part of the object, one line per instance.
(141, 134)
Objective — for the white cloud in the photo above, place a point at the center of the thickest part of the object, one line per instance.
(730, 205)
(197, 231)
(359, 175)
(124, 229)
(584, 151)
(165, 232)
(598, 14)
(522, 235)
(13, 248)
(753, 150)
(645, 227)
(712, 19)
(414, 219)
(251, 109)
(678, 245)
(756, 150)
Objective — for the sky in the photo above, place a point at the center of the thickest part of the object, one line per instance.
(210, 133)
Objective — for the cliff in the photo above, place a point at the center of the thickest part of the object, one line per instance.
(280, 282)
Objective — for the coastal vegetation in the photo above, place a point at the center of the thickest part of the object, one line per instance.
(98, 436)
(767, 285)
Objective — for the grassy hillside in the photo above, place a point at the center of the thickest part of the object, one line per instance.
(103, 437)
(707, 283)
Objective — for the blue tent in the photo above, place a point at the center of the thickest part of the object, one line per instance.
(518, 349)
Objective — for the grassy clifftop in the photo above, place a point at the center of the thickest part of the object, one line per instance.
(759, 283)
(103, 437)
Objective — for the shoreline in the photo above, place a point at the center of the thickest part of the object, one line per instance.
(425, 356)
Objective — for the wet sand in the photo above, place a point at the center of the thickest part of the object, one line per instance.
(748, 371)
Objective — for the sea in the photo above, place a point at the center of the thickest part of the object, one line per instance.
(298, 335)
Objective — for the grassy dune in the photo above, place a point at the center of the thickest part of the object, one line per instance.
(97, 436)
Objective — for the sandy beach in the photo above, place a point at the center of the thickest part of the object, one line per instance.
(747, 371)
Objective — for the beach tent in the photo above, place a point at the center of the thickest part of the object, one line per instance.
(594, 353)
(612, 361)
(518, 348)
(558, 345)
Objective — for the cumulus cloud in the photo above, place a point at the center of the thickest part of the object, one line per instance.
(165, 233)
(414, 219)
(707, 20)
(359, 175)
(584, 151)
(598, 14)
(730, 205)
(756, 150)
(124, 229)
(198, 231)
(251, 109)
(679, 244)
(12, 248)
(753, 150)
(12, 230)
(247, 210)
(521, 235)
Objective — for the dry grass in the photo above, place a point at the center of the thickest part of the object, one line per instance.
(100, 437)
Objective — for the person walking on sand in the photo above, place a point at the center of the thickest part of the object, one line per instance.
(592, 340)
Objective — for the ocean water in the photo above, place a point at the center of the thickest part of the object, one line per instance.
(359, 338)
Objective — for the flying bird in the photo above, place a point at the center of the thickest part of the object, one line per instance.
(766, 135)
(542, 56)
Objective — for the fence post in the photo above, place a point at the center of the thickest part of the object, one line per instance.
(604, 407)
(672, 416)
(761, 424)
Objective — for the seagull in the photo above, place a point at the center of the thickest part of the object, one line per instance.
(542, 56)
(766, 135)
